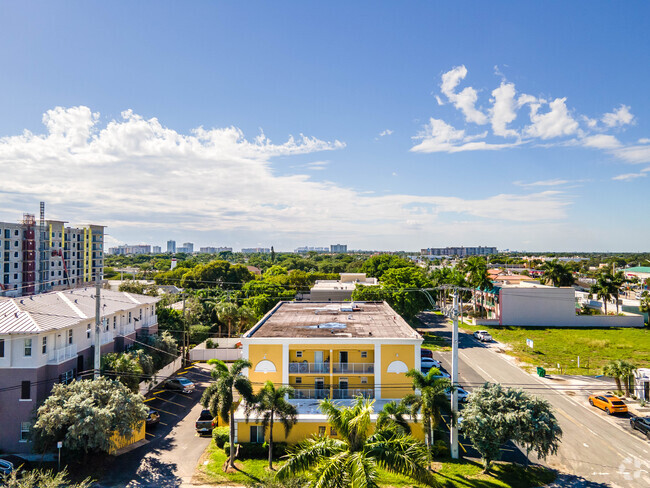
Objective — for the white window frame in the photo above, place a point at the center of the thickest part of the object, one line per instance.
(258, 429)
(70, 337)
(25, 428)
(28, 346)
(44, 345)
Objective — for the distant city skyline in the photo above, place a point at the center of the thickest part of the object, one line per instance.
(397, 126)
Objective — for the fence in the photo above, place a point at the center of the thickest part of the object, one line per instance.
(225, 354)
(161, 376)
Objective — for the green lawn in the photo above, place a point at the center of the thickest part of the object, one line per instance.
(435, 342)
(596, 347)
(450, 474)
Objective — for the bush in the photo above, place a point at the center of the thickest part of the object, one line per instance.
(209, 344)
(440, 449)
(254, 450)
(220, 436)
(199, 333)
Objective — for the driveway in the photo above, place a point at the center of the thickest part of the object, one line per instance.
(172, 452)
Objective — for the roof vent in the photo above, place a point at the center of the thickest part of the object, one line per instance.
(22, 302)
(16, 314)
(76, 301)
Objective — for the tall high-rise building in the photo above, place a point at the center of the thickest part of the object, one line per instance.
(171, 246)
(36, 257)
(339, 248)
(156, 250)
(189, 247)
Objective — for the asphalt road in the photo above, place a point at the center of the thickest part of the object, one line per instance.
(600, 450)
(172, 452)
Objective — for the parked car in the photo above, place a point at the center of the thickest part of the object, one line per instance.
(428, 363)
(180, 384)
(462, 394)
(483, 336)
(204, 423)
(610, 403)
(426, 353)
(642, 424)
(153, 417)
(6, 467)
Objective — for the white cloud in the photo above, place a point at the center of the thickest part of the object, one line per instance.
(554, 182)
(466, 99)
(620, 116)
(438, 136)
(601, 141)
(629, 176)
(644, 140)
(503, 109)
(554, 123)
(317, 165)
(386, 132)
(633, 154)
(135, 173)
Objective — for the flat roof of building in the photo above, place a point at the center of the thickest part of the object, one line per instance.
(337, 320)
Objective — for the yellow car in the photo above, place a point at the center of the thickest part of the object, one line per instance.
(610, 403)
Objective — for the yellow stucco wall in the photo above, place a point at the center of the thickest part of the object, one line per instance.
(396, 385)
(303, 430)
(120, 442)
(260, 352)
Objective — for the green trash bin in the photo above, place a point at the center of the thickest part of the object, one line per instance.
(541, 372)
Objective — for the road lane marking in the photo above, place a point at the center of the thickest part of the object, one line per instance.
(152, 435)
(149, 399)
(163, 423)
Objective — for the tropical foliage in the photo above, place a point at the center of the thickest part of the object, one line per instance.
(219, 397)
(270, 406)
(495, 415)
(352, 458)
(557, 274)
(622, 372)
(430, 402)
(85, 414)
(41, 479)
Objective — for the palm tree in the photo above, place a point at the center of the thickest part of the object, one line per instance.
(644, 306)
(613, 369)
(627, 372)
(430, 401)
(245, 318)
(219, 397)
(227, 312)
(557, 274)
(605, 287)
(270, 404)
(618, 280)
(353, 459)
(393, 416)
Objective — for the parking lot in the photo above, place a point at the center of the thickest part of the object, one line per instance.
(172, 449)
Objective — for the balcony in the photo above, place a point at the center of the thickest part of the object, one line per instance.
(309, 368)
(104, 338)
(56, 356)
(334, 394)
(353, 368)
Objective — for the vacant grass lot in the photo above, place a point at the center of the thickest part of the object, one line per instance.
(450, 474)
(596, 347)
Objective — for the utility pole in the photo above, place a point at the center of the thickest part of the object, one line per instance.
(98, 345)
(184, 335)
(454, 380)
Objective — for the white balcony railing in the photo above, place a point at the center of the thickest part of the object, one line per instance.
(307, 368)
(56, 356)
(334, 394)
(353, 368)
(104, 338)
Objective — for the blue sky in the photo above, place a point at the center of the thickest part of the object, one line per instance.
(383, 125)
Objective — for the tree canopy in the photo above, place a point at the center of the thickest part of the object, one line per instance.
(495, 415)
(85, 414)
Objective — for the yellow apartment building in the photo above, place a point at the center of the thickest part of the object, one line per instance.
(329, 350)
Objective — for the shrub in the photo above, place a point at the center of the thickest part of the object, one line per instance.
(254, 450)
(220, 436)
(209, 344)
(440, 449)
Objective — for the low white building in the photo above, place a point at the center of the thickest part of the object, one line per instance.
(642, 383)
(534, 305)
(341, 289)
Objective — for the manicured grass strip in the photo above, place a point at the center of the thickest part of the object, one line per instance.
(450, 474)
(596, 347)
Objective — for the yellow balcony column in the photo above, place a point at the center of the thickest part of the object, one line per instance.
(377, 370)
(331, 374)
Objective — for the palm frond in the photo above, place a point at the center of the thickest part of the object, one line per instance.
(307, 454)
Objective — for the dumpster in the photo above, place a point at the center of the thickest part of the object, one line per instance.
(541, 372)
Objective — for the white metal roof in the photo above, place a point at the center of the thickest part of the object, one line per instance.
(59, 310)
